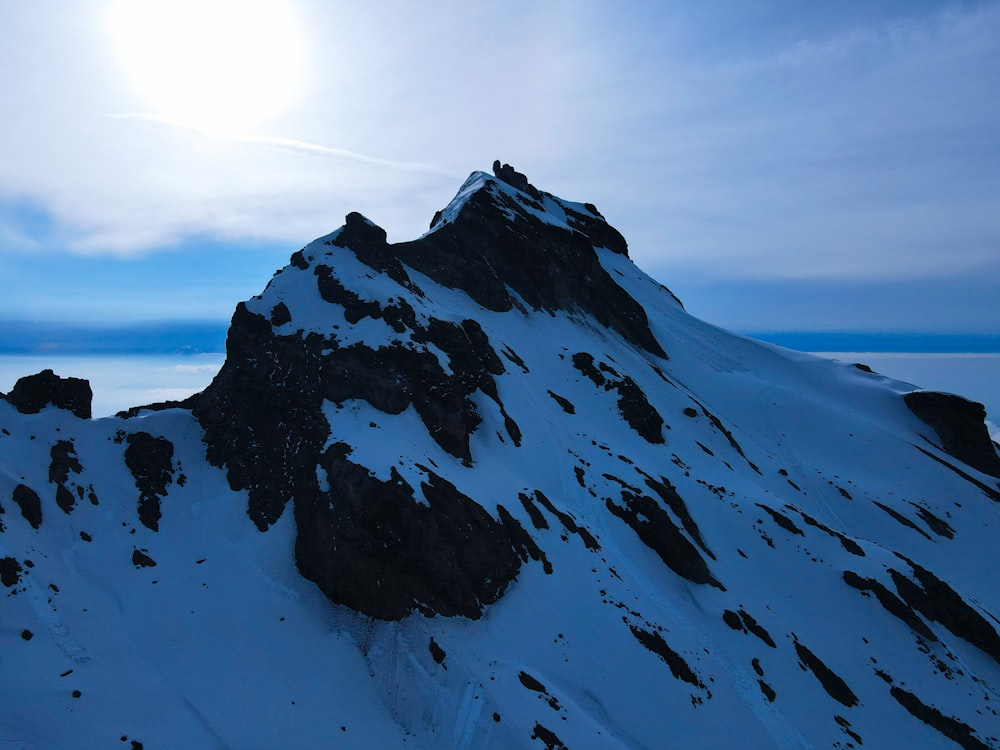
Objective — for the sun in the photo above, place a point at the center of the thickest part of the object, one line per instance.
(209, 64)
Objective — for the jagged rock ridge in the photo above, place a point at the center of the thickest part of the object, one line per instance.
(263, 418)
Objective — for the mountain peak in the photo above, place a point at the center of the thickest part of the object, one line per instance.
(506, 245)
(516, 200)
(530, 526)
(509, 175)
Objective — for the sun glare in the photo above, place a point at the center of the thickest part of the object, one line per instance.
(210, 64)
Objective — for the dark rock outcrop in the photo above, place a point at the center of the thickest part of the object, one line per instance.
(385, 546)
(564, 403)
(960, 425)
(638, 412)
(150, 460)
(832, 683)
(745, 622)
(437, 652)
(935, 523)
(135, 411)
(33, 393)
(846, 542)
(654, 642)
(891, 603)
(365, 541)
(10, 571)
(717, 424)
(568, 522)
(63, 460)
(939, 602)
(263, 413)
(657, 531)
(506, 173)
(781, 520)
(548, 738)
(546, 266)
(633, 405)
(280, 314)
(990, 492)
(65, 499)
(29, 503)
(955, 730)
(368, 544)
(668, 494)
(522, 541)
(141, 560)
(900, 518)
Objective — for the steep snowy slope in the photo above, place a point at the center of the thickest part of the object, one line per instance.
(495, 488)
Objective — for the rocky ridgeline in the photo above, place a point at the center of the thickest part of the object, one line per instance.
(386, 547)
(701, 536)
(366, 542)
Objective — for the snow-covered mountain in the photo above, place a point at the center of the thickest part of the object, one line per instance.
(495, 488)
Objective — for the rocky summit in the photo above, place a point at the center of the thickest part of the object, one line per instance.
(495, 488)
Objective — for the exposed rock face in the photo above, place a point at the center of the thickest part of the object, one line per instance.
(280, 382)
(150, 459)
(507, 173)
(269, 386)
(678, 667)
(957, 731)
(892, 604)
(63, 462)
(547, 266)
(832, 683)
(656, 529)
(960, 425)
(367, 542)
(29, 503)
(33, 393)
(939, 602)
(10, 571)
(632, 402)
(370, 545)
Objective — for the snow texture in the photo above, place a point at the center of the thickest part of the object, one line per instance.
(787, 476)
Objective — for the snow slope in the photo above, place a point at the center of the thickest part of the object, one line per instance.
(730, 545)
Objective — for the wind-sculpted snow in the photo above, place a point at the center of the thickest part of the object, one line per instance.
(454, 493)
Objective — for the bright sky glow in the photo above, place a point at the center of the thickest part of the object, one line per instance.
(210, 64)
(777, 165)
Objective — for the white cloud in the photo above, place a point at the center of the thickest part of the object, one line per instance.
(213, 368)
(867, 152)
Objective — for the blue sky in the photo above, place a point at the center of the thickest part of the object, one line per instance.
(779, 165)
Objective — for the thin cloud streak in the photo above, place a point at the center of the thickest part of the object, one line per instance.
(287, 145)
